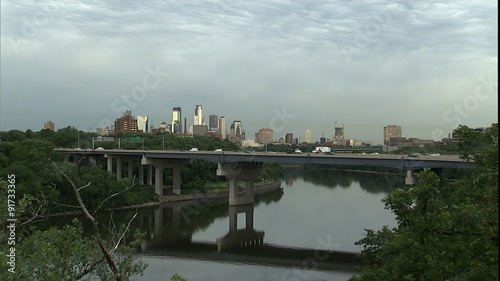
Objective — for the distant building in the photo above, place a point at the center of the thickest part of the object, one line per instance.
(308, 137)
(289, 138)
(238, 130)
(102, 131)
(200, 130)
(391, 131)
(223, 127)
(177, 120)
(49, 125)
(142, 124)
(338, 135)
(163, 127)
(249, 143)
(199, 118)
(126, 123)
(265, 135)
(213, 123)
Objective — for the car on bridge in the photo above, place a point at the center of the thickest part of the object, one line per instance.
(193, 149)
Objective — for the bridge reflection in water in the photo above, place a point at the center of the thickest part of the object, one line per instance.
(169, 237)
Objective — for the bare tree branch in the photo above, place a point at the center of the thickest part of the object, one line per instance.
(113, 195)
(97, 235)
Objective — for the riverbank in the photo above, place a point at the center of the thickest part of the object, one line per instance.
(211, 196)
(259, 189)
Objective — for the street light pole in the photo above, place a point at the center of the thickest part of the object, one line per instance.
(163, 140)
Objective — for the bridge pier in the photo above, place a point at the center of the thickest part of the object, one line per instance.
(411, 178)
(118, 168)
(237, 171)
(141, 174)
(159, 165)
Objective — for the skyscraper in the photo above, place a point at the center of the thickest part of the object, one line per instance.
(289, 138)
(308, 137)
(223, 127)
(238, 130)
(213, 123)
(142, 123)
(338, 135)
(391, 131)
(177, 121)
(199, 118)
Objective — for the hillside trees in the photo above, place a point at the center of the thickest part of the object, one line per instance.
(443, 233)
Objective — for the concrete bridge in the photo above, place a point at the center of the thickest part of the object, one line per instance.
(239, 166)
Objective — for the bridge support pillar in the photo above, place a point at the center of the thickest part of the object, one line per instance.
(130, 173)
(150, 175)
(159, 180)
(109, 164)
(246, 171)
(141, 174)
(159, 165)
(411, 178)
(176, 180)
(118, 168)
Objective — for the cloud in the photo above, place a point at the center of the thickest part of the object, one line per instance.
(365, 64)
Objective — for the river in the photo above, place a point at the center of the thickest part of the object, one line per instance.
(316, 215)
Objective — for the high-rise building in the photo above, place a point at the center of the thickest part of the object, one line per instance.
(199, 118)
(338, 135)
(265, 135)
(49, 125)
(142, 123)
(391, 131)
(308, 137)
(126, 123)
(213, 123)
(223, 127)
(238, 130)
(289, 138)
(232, 134)
(177, 120)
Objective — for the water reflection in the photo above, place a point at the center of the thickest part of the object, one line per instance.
(171, 226)
(371, 182)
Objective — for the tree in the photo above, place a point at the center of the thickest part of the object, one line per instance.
(442, 233)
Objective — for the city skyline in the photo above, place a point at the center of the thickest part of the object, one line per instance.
(288, 66)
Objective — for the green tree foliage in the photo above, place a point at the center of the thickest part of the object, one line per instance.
(443, 233)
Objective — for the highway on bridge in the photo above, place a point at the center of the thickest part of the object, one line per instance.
(379, 160)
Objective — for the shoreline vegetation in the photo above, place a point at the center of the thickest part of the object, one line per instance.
(210, 196)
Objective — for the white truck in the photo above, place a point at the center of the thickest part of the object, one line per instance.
(322, 149)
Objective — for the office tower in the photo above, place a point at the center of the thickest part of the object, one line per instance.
(289, 138)
(126, 123)
(308, 137)
(238, 130)
(49, 125)
(199, 118)
(223, 127)
(142, 123)
(265, 135)
(391, 131)
(177, 120)
(213, 123)
(338, 135)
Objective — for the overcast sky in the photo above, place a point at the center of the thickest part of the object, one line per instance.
(288, 65)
